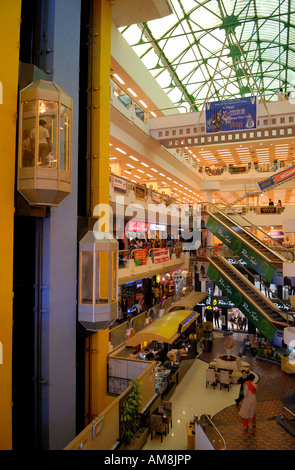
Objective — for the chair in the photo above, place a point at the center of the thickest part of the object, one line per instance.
(157, 424)
(224, 378)
(167, 407)
(210, 377)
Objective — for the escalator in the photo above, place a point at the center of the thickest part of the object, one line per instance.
(242, 237)
(259, 309)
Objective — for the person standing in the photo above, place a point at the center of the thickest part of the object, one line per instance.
(249, 405)
(241, 381)
(279, 206)
(270, 202)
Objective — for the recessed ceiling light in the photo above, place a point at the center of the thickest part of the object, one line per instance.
(119, 79)
(153, 114)
(140, 171)
(162, 174)
(170, 179)
(113, 158)
(144, 164)
(150, 176)
(136, 176)
(129, 172)
(153, 169)
(131, 166)
(133, 158)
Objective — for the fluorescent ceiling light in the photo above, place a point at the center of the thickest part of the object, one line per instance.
(140, 171)
(132, 92)
(143, 103)
(153, 169)
(120, 150)
(133, 158)
(131, 166)
(119, 78)
(144, 164)
(162, 174)
(153, 114)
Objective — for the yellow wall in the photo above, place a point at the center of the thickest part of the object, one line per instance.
(10, 13)
(98, 178)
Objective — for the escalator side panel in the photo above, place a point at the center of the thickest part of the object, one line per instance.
(253, 315)
(253, 259)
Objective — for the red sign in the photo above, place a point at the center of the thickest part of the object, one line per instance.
(140, 257)
(283, 175)
(161, 255)
(138, 226)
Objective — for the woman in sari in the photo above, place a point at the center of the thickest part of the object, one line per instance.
(248, 408)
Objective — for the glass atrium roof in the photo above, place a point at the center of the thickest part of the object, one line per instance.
(214, 50)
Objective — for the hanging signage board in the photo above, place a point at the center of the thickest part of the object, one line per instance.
(161, 255)
(253, 315)
(253, 259)
(268, 210)
(277, 178)
(140, 257)
(139, 192)
(231, 115)
(120, 185)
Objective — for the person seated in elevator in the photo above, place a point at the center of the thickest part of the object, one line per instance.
(45, 145)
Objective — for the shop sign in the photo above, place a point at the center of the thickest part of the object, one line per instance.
(134, 226)
(139, 192)
(140, 257)
(253, 259)
(120, 185)
(268, 210)
(277, 178)
(231, 115)
(253, 315)
(156, 197)
(161, 255)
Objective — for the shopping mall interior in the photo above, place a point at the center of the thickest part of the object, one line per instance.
(147, 178)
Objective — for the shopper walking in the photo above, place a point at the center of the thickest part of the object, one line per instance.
(241, 381)
(248, 408)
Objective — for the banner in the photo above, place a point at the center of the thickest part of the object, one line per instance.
(140, 257)
(253, 315)
(161, 255)
(277, 178)
(253, 259)
(120, 185)
(231, 115)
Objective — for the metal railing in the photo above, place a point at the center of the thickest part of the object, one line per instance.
(208, 421)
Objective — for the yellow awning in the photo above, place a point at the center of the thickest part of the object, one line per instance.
(165, 329)
(189, 301)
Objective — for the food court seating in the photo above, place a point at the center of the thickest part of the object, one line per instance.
(224, 378)
(157, 425)
(210, 377)
(167, 407)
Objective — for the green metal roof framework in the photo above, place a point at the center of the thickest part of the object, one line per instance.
(214, 50)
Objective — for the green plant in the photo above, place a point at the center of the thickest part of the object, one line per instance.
(130, 408)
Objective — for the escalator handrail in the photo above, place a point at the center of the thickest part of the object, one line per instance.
(258, 293)
(250, 224)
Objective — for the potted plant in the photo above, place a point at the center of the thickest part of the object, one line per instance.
(133, 435)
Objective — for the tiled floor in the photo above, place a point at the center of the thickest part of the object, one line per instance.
(191, 398)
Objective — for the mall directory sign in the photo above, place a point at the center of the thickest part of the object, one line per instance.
(253, 315)
(253, 259)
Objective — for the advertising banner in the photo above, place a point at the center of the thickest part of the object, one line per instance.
(161, 255)
(253, 315)
(231, 115)
(120, 185)
(140, 257)
(253, 259)
(277, 178)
